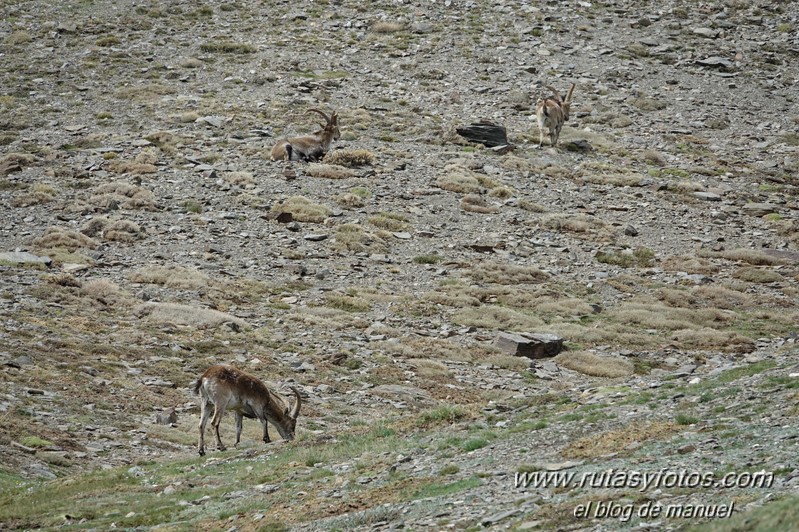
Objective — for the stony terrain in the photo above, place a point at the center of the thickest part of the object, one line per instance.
(145, 236)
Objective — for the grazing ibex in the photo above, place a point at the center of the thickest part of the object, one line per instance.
(229, 388)
(552, 113)
(309, 147)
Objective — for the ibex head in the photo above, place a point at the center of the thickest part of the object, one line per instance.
(331, 123)
(286, 429)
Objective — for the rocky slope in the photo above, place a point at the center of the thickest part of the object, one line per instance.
(658, 239)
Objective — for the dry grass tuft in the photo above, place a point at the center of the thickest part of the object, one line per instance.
(588, 363)
(390, 221)
(303, 210)
(531, 206)
(18, 37)
(38, 194)
(56, 237)
(172, 276)
(20, 159)
(101, 290)
(386, 27)
(654, 157)
(749, 256)
(502, 192)
(329, 171)
(687, 264)
(353, 237)
(550, 305)
(499, 318)
(166, 141)
(143, 163)
(123, 231)
(326, 318)
(477, 203)
(347, 302)
(579, 224)
(713, 340)
(350, 158)
(662, 317)
(458, 178)
(94, 226)
(758, 275)
(619, 440)
(119, 230)
(617, 180)
(63, 279)
(429, 369)
(507, 274)
(240, 179)
(123, 195)
(723, 297)
(186, 315)
(350, 200)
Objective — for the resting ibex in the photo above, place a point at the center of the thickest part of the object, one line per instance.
(229, 388)
(309, 147)
(552, 113)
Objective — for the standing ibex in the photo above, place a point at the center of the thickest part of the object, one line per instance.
(229, 388)
(309, 147)
(552, 113)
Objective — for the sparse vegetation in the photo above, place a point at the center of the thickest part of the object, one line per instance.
(147, 237)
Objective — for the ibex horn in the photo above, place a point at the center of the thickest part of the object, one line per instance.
(321, 113)
(296, 410)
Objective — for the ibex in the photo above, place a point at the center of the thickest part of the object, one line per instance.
(229, 388)
(552, 113)
(309, 147)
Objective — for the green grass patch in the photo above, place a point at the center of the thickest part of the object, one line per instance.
(640, 257)
(193, 206)
(428, 259)
(450, 469)
(684, 419)
(35, 441)
(439, 489)
(529, 425)
(780, 514)
(745, 371)
(228, 47)
(441, 415)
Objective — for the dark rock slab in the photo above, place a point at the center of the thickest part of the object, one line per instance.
(485, 133)
(530, 345)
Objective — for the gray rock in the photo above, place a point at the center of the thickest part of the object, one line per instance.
(715, 62)
(530, 345)
(759, 209)
(398, 392)
(23, 258)
(706, 32)
(707, 196)
(215, 121)
(166, 418)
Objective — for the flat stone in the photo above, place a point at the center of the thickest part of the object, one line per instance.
(530, 345)
(706, 32)
(23, 257)
(399, 392)
(215, 121)
(707, 196)
(715, 62)
(759, 209)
